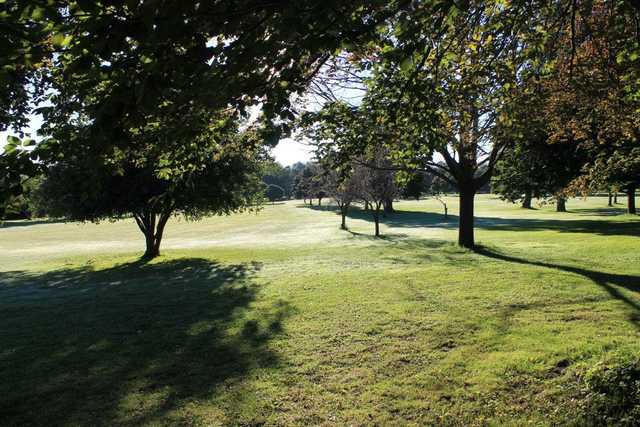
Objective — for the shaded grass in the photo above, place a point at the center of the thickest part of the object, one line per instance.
(320, 326)
(128, 344)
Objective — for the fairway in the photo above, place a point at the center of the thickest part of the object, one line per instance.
(280, 318)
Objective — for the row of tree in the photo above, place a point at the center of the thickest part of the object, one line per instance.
(544, 94)
(154, 98)
(369, 180)
(309, 181)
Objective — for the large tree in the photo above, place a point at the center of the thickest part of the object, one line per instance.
(537, 170)
(153, 59)
(122, 65)
(531, 165)
(441, 83)
(215, 174)
(593, 101)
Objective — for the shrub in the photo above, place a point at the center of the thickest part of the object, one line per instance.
(613, 392)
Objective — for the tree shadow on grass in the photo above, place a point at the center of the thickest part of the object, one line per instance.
(129, 344)
(396, 219)
(393, 238)
(608, 211)
(417, 219)
(600, 227)
(610, 282)
(324, 207)
(29, 222)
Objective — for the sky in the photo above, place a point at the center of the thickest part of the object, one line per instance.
(289, 151)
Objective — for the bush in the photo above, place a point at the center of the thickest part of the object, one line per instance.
(613, 393)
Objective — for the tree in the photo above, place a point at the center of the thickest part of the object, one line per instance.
(592, 102)
(537, 169)
(17, 167)
(24, 49)
(26, 205)
(122, 66)
(154, 60)
(619, 168)
(375, 183)
(214, 175)
(442, 82)
(304, 184)
(415, 185)
(312, 183)
(344, 191)
(279, 180)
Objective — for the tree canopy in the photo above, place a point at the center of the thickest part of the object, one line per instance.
(447, 88)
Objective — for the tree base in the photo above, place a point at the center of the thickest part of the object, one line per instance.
(150, 254)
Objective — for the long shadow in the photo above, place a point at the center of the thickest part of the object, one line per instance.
(610, 282)
(325, 207)
(608, 211)
(396, 219)
(128, 344)
(408, 219)
(600, 227)
(416, 219)
(28, 222)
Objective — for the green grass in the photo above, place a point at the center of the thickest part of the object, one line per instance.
(281, 318)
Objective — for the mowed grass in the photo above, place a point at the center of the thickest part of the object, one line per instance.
(280, 318)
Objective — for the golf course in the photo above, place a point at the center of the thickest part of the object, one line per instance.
(278, 317)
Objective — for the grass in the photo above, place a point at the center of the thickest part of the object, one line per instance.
(280, 318)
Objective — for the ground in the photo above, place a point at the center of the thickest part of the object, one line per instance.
(280, 318)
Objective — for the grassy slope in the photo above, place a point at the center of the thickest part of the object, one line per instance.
(282, 318)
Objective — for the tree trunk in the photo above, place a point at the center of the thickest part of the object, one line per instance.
(465, 228)
(343, 213)
(610, 199)
(561, 204)
(319, 201)
(152, 233)
(375, 210)
(526, 201)
(615, 198)
(152, 250)
(388, 206)
(631, 200)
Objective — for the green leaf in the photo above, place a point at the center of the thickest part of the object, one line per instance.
(60, 40)
(37, 13)
(12, 144)
(406, 64)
